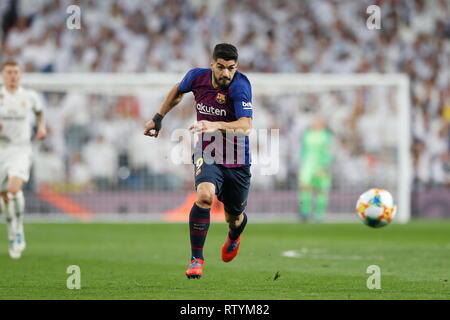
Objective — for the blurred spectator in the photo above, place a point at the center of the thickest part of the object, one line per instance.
(76, 118)
(79, 173)
(48, 166)
(102, 161)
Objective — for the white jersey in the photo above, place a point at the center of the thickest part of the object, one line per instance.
(16, 116)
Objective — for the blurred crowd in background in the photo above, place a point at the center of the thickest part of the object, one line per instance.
(91, 145)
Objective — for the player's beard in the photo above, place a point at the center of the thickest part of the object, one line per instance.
(223, 83)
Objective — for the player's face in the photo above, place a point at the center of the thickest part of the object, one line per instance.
(11, 76)
(223, 72)
(319, 123)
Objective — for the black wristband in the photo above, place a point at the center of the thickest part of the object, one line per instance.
(157, 119)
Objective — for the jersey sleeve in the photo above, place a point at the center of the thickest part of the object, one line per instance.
(241, 94)
(36, 102)
(186, 84)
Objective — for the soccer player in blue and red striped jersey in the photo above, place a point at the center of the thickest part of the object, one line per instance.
(223, 101)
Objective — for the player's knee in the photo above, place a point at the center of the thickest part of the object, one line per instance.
(4, 196)
(234, 217)
(14, 190)
(233, 221)
(14, 186)
(204, 199)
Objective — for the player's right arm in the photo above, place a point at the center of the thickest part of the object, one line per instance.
(174, 97)
(153, 126)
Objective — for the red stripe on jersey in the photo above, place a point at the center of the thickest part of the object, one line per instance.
(204, 80)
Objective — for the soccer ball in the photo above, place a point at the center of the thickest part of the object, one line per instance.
(376, 208)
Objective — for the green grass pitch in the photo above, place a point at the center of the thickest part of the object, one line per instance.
(148, 261)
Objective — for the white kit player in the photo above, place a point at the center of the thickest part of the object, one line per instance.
(16, 107)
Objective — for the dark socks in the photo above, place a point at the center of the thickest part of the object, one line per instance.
(234, 233)
(198, 226)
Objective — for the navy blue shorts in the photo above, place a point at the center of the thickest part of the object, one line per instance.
(232, 184)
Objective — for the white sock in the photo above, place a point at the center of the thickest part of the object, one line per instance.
(10, 218)
(16, 208)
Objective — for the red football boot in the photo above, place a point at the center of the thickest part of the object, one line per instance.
(230, 249)
(195, 269)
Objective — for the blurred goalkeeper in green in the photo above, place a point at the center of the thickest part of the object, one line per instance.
(315, 170)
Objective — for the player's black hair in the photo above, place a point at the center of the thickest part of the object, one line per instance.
(225, 51)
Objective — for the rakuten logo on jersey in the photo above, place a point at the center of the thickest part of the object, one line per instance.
(247, 105)
(204, 109)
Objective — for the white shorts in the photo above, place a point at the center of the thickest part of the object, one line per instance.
(14, 161)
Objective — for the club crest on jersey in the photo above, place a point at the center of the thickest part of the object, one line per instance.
(221, 98)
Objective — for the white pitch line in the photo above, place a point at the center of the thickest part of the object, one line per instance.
(303, 253)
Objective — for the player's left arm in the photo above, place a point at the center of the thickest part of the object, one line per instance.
(41, 128)
(240, 127)
(38, 109)
(326, 153)
(241, 96)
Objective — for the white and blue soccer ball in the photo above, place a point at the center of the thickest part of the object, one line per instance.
(376, 208)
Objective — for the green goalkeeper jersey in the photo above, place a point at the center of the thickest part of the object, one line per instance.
(316, 149)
